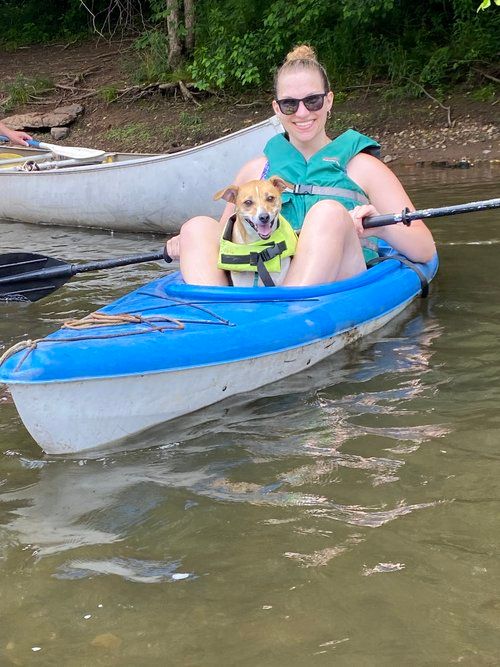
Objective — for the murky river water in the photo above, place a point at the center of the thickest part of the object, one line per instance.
(347, 515)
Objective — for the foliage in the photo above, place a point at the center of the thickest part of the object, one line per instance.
(485, 93)
(108, 93)
(132, 132)
(432, 43)
(22, 89)
(34, 22)
(487, 3)
(152, 50)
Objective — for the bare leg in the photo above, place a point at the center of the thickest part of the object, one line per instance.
(328, 249)
(199, 252)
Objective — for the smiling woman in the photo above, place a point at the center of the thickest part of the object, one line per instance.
(334, 184)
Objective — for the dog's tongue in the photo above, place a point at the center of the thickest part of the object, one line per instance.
(264, 231)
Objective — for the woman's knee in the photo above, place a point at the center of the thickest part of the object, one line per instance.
(328, 208)
(199, 227)
(330, 217)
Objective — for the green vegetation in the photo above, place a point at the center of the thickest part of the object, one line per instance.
(132, 132)
(235, 44)
(108, 93)
(189, 121)
(22, 90)
(152, 56)
(34, 22)
(485, 93)
(487, 3)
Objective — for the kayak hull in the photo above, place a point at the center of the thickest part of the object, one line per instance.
(69, 417)
(74, 396)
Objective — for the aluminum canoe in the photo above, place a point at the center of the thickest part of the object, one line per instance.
(80, 390)
(129, 192)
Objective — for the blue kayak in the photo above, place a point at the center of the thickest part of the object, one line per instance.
(168, 349)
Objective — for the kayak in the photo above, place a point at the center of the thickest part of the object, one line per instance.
(168, 349)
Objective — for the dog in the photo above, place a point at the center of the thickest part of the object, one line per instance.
(257, 243)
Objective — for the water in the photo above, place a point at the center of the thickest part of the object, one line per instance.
(346, 516)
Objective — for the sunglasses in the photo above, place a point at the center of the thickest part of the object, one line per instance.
(289, 105)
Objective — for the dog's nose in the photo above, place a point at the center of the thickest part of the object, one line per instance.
(264, 218)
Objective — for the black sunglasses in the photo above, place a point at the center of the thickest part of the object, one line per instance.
(289, 105)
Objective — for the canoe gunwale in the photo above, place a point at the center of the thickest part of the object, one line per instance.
(133, 160)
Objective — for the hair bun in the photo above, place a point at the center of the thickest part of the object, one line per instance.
(301, 52)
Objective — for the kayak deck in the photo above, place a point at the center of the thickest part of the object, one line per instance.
(182, 326)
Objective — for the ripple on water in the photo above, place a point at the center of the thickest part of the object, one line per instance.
(131, 569)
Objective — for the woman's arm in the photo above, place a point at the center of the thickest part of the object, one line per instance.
(387, 195)
(15, 136)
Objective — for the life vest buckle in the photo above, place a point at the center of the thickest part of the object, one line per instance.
(302, 189)
(273, 250)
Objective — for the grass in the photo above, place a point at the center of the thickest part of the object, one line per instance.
(127, 133)
(486, 93)
(190, 121)
(22, 89)
(108, 93)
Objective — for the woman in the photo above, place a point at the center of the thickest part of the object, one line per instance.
(331, 233)
(15, 136)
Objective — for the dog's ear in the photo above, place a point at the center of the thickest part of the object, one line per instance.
(280, 184)
(229, 193)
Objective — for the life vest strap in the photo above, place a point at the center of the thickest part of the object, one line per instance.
(326, 190)
(258, 260)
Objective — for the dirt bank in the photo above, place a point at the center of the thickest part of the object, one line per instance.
(169, 119)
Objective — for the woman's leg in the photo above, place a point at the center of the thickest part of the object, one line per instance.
(328, 248)
(199, 252)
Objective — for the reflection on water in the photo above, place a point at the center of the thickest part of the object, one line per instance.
(346, 513)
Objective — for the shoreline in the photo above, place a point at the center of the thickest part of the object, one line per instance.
(166, 118)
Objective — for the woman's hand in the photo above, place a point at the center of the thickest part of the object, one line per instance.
(358, 213)
(18, 137)
(173, 247)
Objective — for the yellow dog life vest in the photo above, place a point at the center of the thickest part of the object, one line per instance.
(266, 253)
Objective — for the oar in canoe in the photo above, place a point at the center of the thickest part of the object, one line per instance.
(28, 276)
(75, 152)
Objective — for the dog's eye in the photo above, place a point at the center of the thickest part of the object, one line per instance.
(248, 202)
(270, 198)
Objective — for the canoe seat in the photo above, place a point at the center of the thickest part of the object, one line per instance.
(8, 157)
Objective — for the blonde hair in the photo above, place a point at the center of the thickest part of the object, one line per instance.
(301, 57)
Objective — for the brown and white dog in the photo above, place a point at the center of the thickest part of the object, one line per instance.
(257, 206)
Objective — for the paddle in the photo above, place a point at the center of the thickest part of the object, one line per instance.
(30, 277)
(74, 152)
(26, 276)
(407, 216)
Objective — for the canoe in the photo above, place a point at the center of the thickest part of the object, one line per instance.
(129, 192)
(108, 386)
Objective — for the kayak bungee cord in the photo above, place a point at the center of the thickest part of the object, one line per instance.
(101, 320)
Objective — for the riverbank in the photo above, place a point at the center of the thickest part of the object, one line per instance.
(121, 115)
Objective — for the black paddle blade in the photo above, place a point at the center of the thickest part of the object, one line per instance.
(16, 283)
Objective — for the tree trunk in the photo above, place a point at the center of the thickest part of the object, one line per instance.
(174, 41)
(189, 23)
